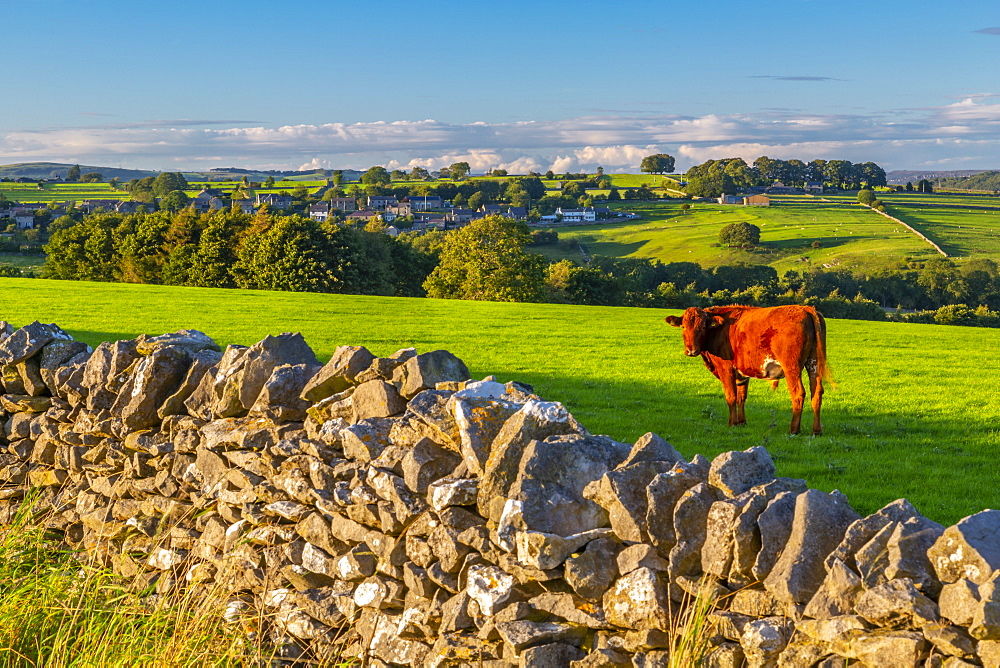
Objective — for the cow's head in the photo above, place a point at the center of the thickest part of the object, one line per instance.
(694, 324)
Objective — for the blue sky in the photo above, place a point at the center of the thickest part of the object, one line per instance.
(524, 85)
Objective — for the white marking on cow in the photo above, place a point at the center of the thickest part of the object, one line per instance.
(771, 368)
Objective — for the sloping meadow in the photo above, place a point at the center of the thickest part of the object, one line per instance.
(394, 511)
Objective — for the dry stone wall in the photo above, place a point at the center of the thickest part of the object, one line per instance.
(393, 511)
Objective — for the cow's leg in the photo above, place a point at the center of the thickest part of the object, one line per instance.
(794, 379)
(816, 393)
(741, 400)
(729, 389)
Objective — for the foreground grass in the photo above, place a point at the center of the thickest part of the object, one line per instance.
(916, 413)
(55, 612)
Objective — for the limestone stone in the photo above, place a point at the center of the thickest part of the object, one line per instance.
(552, 476)
(546, 551)
(592, 572)
(431, 408)
(775, 526)
(736, 472)
(604, 658)
(451, 492)
(969, 549)
(662, 495)
(863, 530)
(908, 546)
(279, 396)
(890, 649)
(986, 618)
(837, 595)
(764, 639)
(535, 420)
(622, 493)
(28, 341)
(571, 608)
(725, 655)
(107, 361)
(425, 371)
(154, 379)
(959, 601)
(201, 363)
(522, 634)
(896, 602)
(376, 399)
(54, 355)
(551, 655)
(638, 600)
(339, 373)
(651, 448)
(479, 420)
(950, 639)
(690, 520)
(489, 587)
(426, 463)
(31, 377)
(818, 526)
(640, 556)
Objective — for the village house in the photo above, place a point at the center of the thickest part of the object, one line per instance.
(424, 202)
(89, 206)
(730, 199)
(379, 202)
(345, 204)
(584, 215)
(319, 212)
(362, 216)
(273, 200)
(814, 187)
(401, 208)
(461, 216)
(244, 206)
(24, 219)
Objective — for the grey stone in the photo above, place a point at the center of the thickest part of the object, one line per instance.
(986, 618)
(522, 634)
(896, 602)
(546, 551)
(863, 530)
(260, 361)
(339, 373)
(31, 377)
(592, 572)
(479, 420)
(489, 586)
(908, 546)
(551, 655)
(279, 396)
(640, 556)
(838, 594)
(535, 420)
(28, 341)
(424, 371)
(764, 639)
(891, 649)
(969, 549)
(872, 558)
(376, 399)
(817, 528)
(551, 479)
(605, 657)
(223, 394)
(107, 361)
(662, 495)
(736, 472)
(775, 526)
(448, 492)
(431, 408)
(364, 441)
(690, 520)
(638, 600)
(622, 493)
(201, 363)
(54, 355)
(651, 448)
(959, 601)
(427, 462)
(153, 380)
(571, 608)
(190, 340)
(950, 639)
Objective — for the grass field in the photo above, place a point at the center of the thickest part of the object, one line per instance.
(849, 235)
(915, 413)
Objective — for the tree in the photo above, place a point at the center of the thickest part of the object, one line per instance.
(167, 182)
(376, 176)
(486, 261)
(175, 200)
(73, 173)
(269, 182)
(659, 163)
(741, 234)
(924, 186)
(92, 177)
(419, 174)
(459, 170)
(866, 197)
(338, 177)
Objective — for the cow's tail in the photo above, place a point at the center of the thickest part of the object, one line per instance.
(822, 368)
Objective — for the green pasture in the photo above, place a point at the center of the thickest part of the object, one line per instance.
(23, 261)
(915, 413)
(849, 236)
(59, 192)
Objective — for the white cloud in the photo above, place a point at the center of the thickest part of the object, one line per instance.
(618, 143)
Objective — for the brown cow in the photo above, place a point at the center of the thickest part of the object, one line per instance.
(738, 343)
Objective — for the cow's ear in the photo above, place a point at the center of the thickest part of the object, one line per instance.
(673, 320)
(716, 321)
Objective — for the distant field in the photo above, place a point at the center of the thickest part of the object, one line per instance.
(890, 432)
(60, 192)
(848, 235)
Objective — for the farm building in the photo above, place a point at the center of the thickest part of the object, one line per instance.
(757, 200)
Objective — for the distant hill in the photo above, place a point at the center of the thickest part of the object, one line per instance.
(988, 181)
(902, 176)
(53, 170)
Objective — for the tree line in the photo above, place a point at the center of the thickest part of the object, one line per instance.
(729, 175)
(490, 259)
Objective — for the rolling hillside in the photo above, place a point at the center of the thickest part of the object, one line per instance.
(889, 432)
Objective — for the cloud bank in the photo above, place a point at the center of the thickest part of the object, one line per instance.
(962, 133)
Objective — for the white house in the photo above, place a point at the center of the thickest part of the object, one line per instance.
(584, 215)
